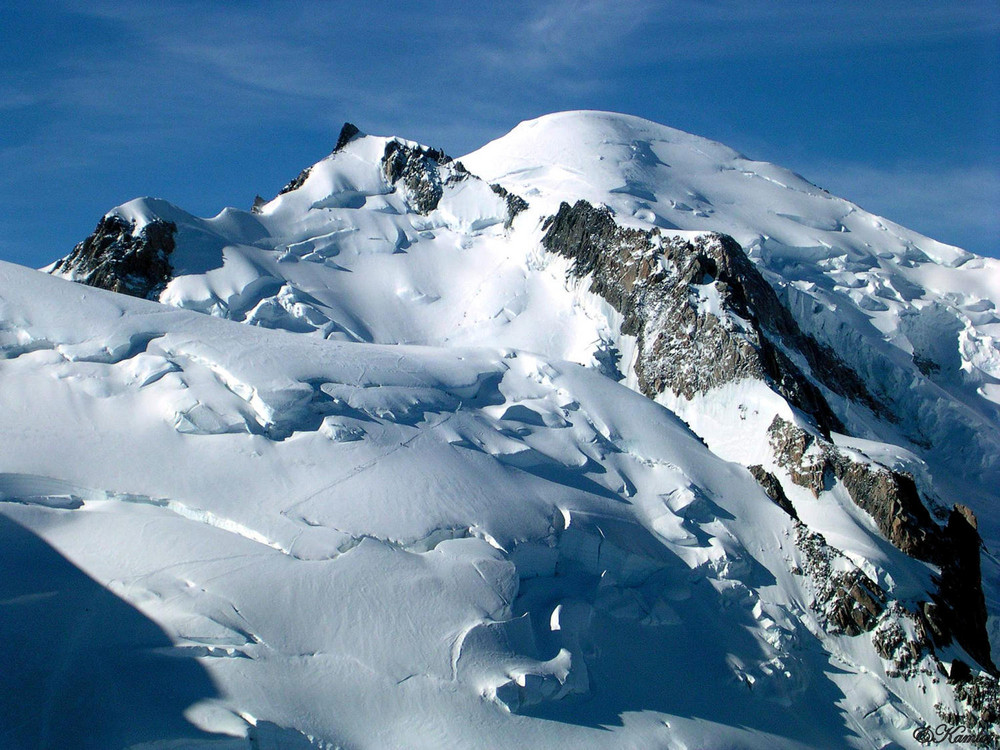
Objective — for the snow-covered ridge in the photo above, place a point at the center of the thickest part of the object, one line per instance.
(933, 302)
(588, 510)
(916, 320)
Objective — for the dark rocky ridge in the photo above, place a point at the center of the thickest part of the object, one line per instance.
(958, 609)
(979, 722)
(117, 258)
(417, 168)
(348, 133)
(849, 602)
(655, 282)
(515, 203)
(960, 594)
(773, 489)
(296, 181)
(425, 172)
(903, 651)
(890, 498)
(658, 284)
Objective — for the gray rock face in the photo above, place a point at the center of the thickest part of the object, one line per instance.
(961, 604)
(772, 487)
(296, 182)
(702, 313)
(979, 721)
(515, 203)
(704, 316)
(903, 651)
(890, 498)
(417, 168)
(118, 258)
(849, 602)
(348, 133)
(893, 502)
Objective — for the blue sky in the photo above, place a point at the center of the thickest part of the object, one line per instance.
(893, 105)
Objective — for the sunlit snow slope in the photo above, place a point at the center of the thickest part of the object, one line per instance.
(383, 546)
(445, 503)
(913, 316)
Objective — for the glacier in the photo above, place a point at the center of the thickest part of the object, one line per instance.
(603, 434)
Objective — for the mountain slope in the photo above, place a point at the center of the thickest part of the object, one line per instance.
(914, 317)
(487, 518)
(634, 578)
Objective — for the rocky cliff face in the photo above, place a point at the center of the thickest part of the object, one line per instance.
(118, 258)
(515, 203)
(418, 170)
(890, 498)
(958, 610)
(772, 487)
(704, 316)
(848, 601)
(423, 174)
(960, 598)
(701, 311)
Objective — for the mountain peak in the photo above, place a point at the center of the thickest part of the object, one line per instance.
(614, 398)
(347, 134)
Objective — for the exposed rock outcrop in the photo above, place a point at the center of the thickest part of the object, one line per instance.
(773, 489)
(118, 258)
(418, 169)
(892, 500)
(348, 133)
(978, 719)
(515, 203)
(703, 316)
(297, 181)
(902, 640)
(848, 601)
(961, 604)
(701, 311)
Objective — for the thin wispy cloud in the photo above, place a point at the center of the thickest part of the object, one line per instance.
(564, 33)
(112, 97)
(326, 54)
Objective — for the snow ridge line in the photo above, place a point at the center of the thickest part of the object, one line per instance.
(206, 517)
(28, 489)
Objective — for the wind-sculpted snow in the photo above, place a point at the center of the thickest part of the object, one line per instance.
(85, 668)
(498, 541)
(405, 517)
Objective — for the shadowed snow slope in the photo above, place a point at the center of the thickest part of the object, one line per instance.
(474, 453)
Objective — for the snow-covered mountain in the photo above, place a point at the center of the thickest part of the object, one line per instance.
(602, 434)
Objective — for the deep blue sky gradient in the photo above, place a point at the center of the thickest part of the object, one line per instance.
(893, 105)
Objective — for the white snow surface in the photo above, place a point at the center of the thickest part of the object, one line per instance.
(877, 293)
(419, 515)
